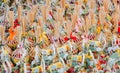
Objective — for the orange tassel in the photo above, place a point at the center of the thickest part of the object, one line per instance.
(12, 34)
(99, 66)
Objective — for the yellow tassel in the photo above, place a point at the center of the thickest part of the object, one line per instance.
(16, 60)
(66, 6)
(5, 1)
(118, 51)
(98, 29)
(43, 37)
(85, 1)
(87, 56)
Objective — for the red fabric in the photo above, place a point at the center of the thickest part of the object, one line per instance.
(116, 41)
(73, 37)
(102, 62)
(102, 56)
(66, 38)
(76, 3)
(71, 70)
(118, 29)
(51, 13)
(16, 23)
(119, 23)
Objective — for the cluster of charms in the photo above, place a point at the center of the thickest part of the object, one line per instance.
(60, 36)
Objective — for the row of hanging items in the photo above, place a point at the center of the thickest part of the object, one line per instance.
(62, 53)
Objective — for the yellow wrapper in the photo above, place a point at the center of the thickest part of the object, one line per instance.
(85, 1)
(79, 58)
(98, 29)
(88, 56)
(15, 60)
(43, 36)
(5, 1)
(26, 59)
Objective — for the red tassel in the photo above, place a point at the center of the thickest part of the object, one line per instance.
(118, 27)
(73, 37)
(71, 70)
(16, 23)
(66, 39)
(116, 41)
(102, 62)
(51, 13)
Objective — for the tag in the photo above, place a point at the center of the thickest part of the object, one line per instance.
(9, 65)
(40, 21)
(38, 31)
(24, 22)
(63, 3)
(19, 13)
(2, 32)
(92, 4)
(105, 4)
(83, 59)
(5, 67)
(102, 14)
(37, 54)
(74, 18)
(25, 68)
(2, 20)
(11, 18)
(59, 15)
(44, 13)
(19, 34)
(79, 22)
(88, 23)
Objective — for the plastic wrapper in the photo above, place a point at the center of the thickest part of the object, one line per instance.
(59, 36)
